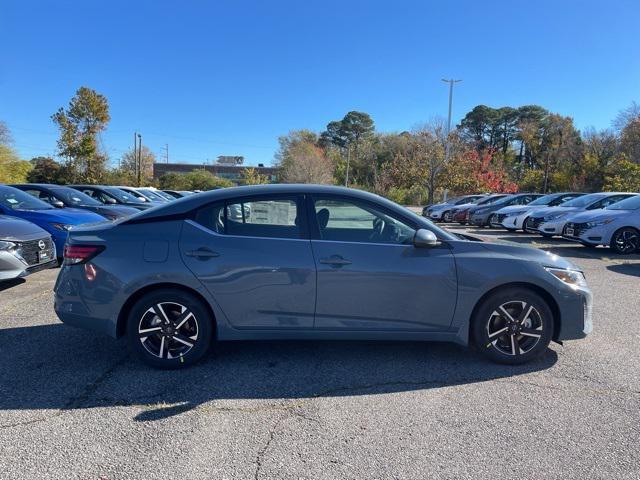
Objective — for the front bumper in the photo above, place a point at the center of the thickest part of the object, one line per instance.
(576, 314)
(13, 266)
(551, 227)
(578, 232)
(479, 220)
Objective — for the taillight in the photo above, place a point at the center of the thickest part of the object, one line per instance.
(76, 254)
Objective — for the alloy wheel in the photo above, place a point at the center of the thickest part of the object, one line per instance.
(168, 330)
(514, 328)
(626, 241)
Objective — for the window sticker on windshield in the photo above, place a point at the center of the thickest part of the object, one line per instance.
(75, 199)
(12, 200)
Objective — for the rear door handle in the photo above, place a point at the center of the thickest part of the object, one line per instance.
(335, 261)
(202, 253)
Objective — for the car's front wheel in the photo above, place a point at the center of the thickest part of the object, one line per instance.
(169, 329)
(625, 241)
(513, 326)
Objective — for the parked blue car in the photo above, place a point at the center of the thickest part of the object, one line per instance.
(56, 221)
(310, 262)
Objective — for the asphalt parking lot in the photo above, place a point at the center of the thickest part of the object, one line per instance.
(76, 405)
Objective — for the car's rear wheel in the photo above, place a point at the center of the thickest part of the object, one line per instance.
(169, 329)
(625, 241)
(446, 216)
(513, 326)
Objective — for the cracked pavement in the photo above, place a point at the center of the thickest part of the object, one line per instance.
(76, 405)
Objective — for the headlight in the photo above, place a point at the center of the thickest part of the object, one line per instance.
(599, 223)
(63, 227)
(6, 245)
(555, 216)
(573, 278)
(515, 214)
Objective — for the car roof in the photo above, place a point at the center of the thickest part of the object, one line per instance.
(191, 202)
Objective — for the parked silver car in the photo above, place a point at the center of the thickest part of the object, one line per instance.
(24, 248)
(310, 262)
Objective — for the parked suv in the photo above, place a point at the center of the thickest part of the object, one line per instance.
(617, 226)
(311, 262)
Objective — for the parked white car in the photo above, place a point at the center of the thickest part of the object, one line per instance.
(513, 217)
(617, 226)
(550, 221)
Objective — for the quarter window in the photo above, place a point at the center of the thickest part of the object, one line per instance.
(273, 217)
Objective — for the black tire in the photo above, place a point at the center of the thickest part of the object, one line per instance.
(530, 338)
(625, 241)
(194, 326)
(523, 225)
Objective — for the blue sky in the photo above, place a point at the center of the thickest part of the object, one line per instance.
(216, 78)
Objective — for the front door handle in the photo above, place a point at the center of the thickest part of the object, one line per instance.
(335, 261)
(202, 253)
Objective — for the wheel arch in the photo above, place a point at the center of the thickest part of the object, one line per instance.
(121, 326)
(553, 305)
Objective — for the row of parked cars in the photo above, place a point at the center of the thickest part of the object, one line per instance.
(35, 218)
(609, 219)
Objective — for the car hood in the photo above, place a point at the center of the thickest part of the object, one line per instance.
(542, 257)
(600, 214)
(16, 229)
(440, 206)
(542, 212)
(69, 216)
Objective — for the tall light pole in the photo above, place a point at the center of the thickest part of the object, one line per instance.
(451, 83)
(139, 159)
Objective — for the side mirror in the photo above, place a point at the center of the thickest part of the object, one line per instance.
(57, 204)
(110, 201)
(143, 199)
(425, 238)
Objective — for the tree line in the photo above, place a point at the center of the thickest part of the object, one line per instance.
(507, 149)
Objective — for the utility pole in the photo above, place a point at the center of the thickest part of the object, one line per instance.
(139, 160)
(346, 177)
(451, 83)
(166, 153)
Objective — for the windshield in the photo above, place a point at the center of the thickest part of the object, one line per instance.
(164, 195)
(71, 196)
(15, 199)
(544, 200)
(632, 203)
(123, 196)
(583, 201)
(488, 200)
(152, 194)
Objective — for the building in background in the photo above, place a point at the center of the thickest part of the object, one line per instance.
(231, 172)
(230, 160)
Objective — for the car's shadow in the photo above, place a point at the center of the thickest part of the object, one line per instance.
(632, 269)
(14, 282)
(59, 367)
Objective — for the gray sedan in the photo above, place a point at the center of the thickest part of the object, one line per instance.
(24, 248)
(310, 262)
